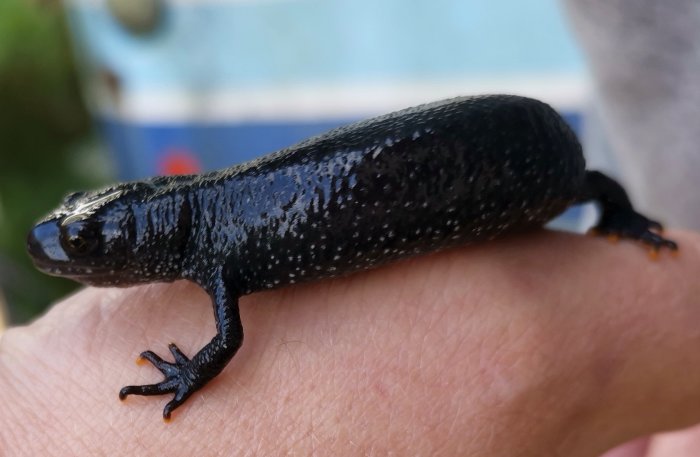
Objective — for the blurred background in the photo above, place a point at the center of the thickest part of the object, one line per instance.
(99, 90)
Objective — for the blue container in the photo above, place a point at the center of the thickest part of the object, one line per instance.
(210, 83)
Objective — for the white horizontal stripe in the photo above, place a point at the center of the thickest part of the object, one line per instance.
(102, 3)
(323, 101)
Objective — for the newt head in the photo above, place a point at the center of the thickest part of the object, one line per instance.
(105, 238)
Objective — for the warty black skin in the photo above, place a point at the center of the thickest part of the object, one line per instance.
(426, 178)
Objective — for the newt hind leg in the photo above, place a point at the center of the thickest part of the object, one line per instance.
(618, 217)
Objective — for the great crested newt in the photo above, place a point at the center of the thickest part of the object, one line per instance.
(426, 178)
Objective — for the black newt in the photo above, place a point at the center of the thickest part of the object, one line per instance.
(447, 173)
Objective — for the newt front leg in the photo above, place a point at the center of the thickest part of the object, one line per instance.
(185, 376)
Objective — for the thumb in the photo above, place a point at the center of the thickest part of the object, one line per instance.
(629, 347)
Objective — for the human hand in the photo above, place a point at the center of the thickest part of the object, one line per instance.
(545, 344)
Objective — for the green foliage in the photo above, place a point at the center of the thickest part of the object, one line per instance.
(42, 121)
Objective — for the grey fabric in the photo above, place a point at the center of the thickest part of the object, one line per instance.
(644, 56)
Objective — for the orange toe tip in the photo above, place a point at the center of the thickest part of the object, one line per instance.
(140, 360)
(613, 238)
(654, 254)
(167, 420)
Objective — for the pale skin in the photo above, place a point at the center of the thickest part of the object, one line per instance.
(546, 344)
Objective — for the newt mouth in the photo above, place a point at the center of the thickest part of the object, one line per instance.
(78, 272)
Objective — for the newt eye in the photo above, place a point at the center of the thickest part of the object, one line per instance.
(78, 238)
